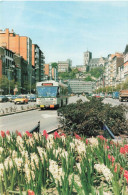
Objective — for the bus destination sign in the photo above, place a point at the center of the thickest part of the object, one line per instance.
(47, 84)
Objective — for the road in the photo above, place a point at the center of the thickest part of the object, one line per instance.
(49, 120)
(26, 121)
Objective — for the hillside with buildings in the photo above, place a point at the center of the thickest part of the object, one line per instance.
(22, 64)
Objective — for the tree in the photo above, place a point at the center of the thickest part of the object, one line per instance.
(54, 65)
(125, 84)
(97, 72)
(89, 78)
(5, 84)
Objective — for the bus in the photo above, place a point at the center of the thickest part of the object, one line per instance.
(51, 94)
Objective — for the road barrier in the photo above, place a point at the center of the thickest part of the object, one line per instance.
(14, 109)
(36, 129)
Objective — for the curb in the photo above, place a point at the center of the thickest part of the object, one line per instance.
(18, 112)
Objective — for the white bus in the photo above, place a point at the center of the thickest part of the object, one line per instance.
(51, 94)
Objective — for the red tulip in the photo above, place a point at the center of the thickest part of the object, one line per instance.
(8, 132)
(30, 192)
(56, 135)
(122, 150)
(45, 134)
(28, 134)
(77, 136)
(3, 134)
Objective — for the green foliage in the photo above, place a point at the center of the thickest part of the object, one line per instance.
(87, 118)
(68, 75)
(97, 72)
(89, 78)
(4, 85)
(61, 165)
(54, 65)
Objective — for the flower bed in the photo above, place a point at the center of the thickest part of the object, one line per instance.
(60, 164)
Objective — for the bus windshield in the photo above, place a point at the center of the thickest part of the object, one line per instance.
(45, 91)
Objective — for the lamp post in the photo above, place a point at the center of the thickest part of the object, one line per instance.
(9, 78)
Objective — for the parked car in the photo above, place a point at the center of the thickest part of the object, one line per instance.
(21, 99)
(108, 96)
(13, 98)
(3, 98)
(115, 95)
(9, 97)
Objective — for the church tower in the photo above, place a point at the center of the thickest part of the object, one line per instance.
(87, 58)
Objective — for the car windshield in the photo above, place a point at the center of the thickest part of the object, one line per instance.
(20, 96)
(47, 91)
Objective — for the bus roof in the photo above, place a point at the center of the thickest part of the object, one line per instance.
(50, 83)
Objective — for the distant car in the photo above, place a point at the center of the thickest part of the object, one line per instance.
(109, 95)
(3, 98)
(21, 99)
(9, 97)
(31, 97)
(97, 96)
(115, 95)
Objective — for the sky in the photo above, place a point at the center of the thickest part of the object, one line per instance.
(66, 29)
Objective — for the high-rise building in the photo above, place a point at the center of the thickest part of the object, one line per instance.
(20, 45)
(38, 62)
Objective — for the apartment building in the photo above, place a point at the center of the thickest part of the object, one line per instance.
(38, 62)
(113, 62)
(21, 45)
(14, 67)
(50, 73)
(126, 63)
(30, 54)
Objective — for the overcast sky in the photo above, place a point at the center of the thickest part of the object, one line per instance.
(66, 29)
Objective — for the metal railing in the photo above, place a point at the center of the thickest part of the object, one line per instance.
(107, 132)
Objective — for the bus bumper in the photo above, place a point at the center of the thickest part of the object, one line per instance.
(47, 106)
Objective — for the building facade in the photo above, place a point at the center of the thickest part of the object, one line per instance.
(15, 68)
(64, 66)
(78, 86)
(90, 62)
(29, 55)
(38, 62)
(126, 63)
(50, 73)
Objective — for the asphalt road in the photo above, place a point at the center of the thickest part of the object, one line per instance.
(49, 120)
